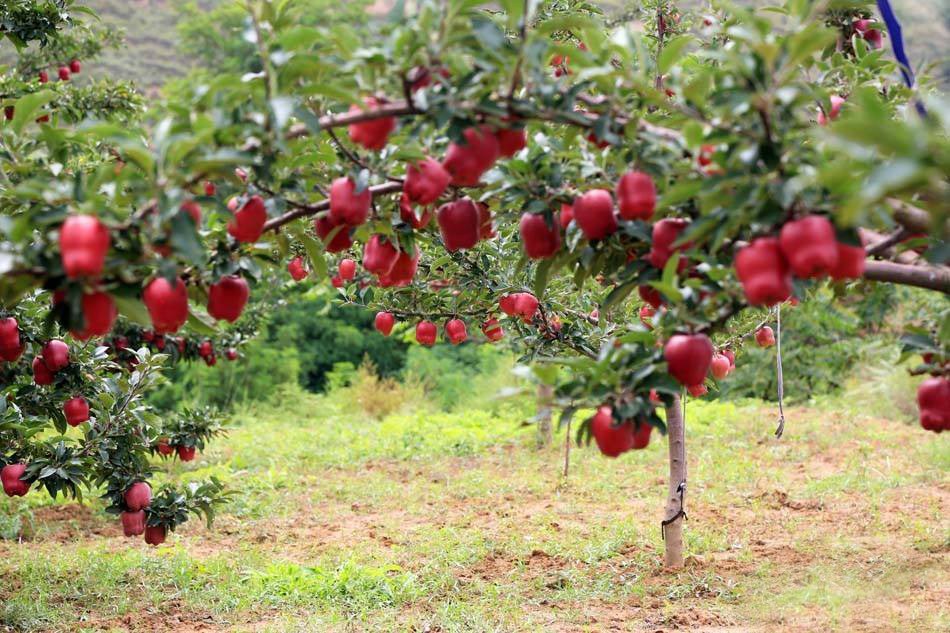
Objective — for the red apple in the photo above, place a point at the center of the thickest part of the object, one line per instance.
(698, 391)
(374, 133)
(647, 313)
(688, 357)
(12, 354)
(506, 303)
(167, 304)
(455, 331)
(486, 227)
(402, 271)
(459, 224)
(231, 354)
(636, 196)
(665, 233)
(594, 214)
(325, 226)
(810, 246)
(467, 162)
(247, 225)
(539, 238)
(651, 295)
(765, 337)
(728, 353)
(525, 305)
(138, 496)
(874, 37)
(933, 399)
(205, 349)
(384, 322)
(705, 157)
(155, 534)
(193, 209)
(211, 360)
(76, 410)
(763, 272)
(641, 437)
(9, 335)
(227, 298)
(511, 141)
(612, 439)
(133, 523)
(41, 375)
(64, 73)
(210, 188)
(13, 486)
(296, 269)
(379, 255)
(163, 447)
(426, 333)
(492, 330)
(346, 205)
(99, 313)
(75, 67)
(347, 269)
(55, 355)
(44, 77)
(567, 215)
(83, 244)
(851, 262)
(426, 181)
(186, 453)
(833, 112)
(720, 366)
(408, 215)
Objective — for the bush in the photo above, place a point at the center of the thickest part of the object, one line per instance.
(377, 397)
(457, 376)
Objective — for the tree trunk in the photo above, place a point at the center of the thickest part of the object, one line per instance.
(673, 532)
(545, 432)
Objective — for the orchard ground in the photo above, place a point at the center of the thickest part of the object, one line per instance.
(431, 521)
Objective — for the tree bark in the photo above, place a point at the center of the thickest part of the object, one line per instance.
(673, 531)
(545, 432)
(931, 277)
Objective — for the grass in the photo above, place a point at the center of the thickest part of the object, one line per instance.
(427, 520)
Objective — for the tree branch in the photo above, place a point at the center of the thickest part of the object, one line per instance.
(930, 277)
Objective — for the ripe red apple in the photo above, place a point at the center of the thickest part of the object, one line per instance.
(612, 440)
(296, 269)
(665, 233)
(636, 196)
(511, 141)
(384, 322)
(763, 272)
(933, 399)
(241, 174)
(211, 360)
(55, 355)
(12, 354)
(641, 436)
(567, 215)
(458, 224)
(594, 214)
(64, 73)
(492, 330)
(9, 334)
(231, 354)
(41, 375)
(193, 209)
(651, 295)
(655, 397)
(506, 303)
(347, 269)
(647, 313)
(765, 337)
(336, 282)
(697, 391)
(205, 349)
(426, 181)
(833, 112)
(138, 496)
(133, 523)
(810, 246)
(374, 133)
(342, 240)
(486, 227)
(210, 188)
(426, 333)
(99, 313)
(402, 271)
(247, 225)
(44, 77)
(720, 366)
(467, 162)
(186, 453)
(227, 298)
(851, 262)
(379, 255)
(539, 238)
(167, 304)
(705, 157)
(76, 410)
(688, 357)
(155, 534)
(13, 486)
(75, 67)
(455, 331)
(83, 244)
(346, 205)
(163, 447)
(160, 343)
(408, 215)
(525, 305)
(9, 112)
(728, 353)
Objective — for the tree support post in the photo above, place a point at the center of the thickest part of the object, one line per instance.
(545, 431)
(672, 526)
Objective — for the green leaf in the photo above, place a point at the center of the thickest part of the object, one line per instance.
(199, 324)
(132, 309)
(672, 52)
(184, 238)
(27, 108)
(315, 252)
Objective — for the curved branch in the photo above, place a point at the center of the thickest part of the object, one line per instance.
(930, 277)
(313, 209)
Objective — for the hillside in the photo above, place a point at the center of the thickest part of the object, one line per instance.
(151, 57)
